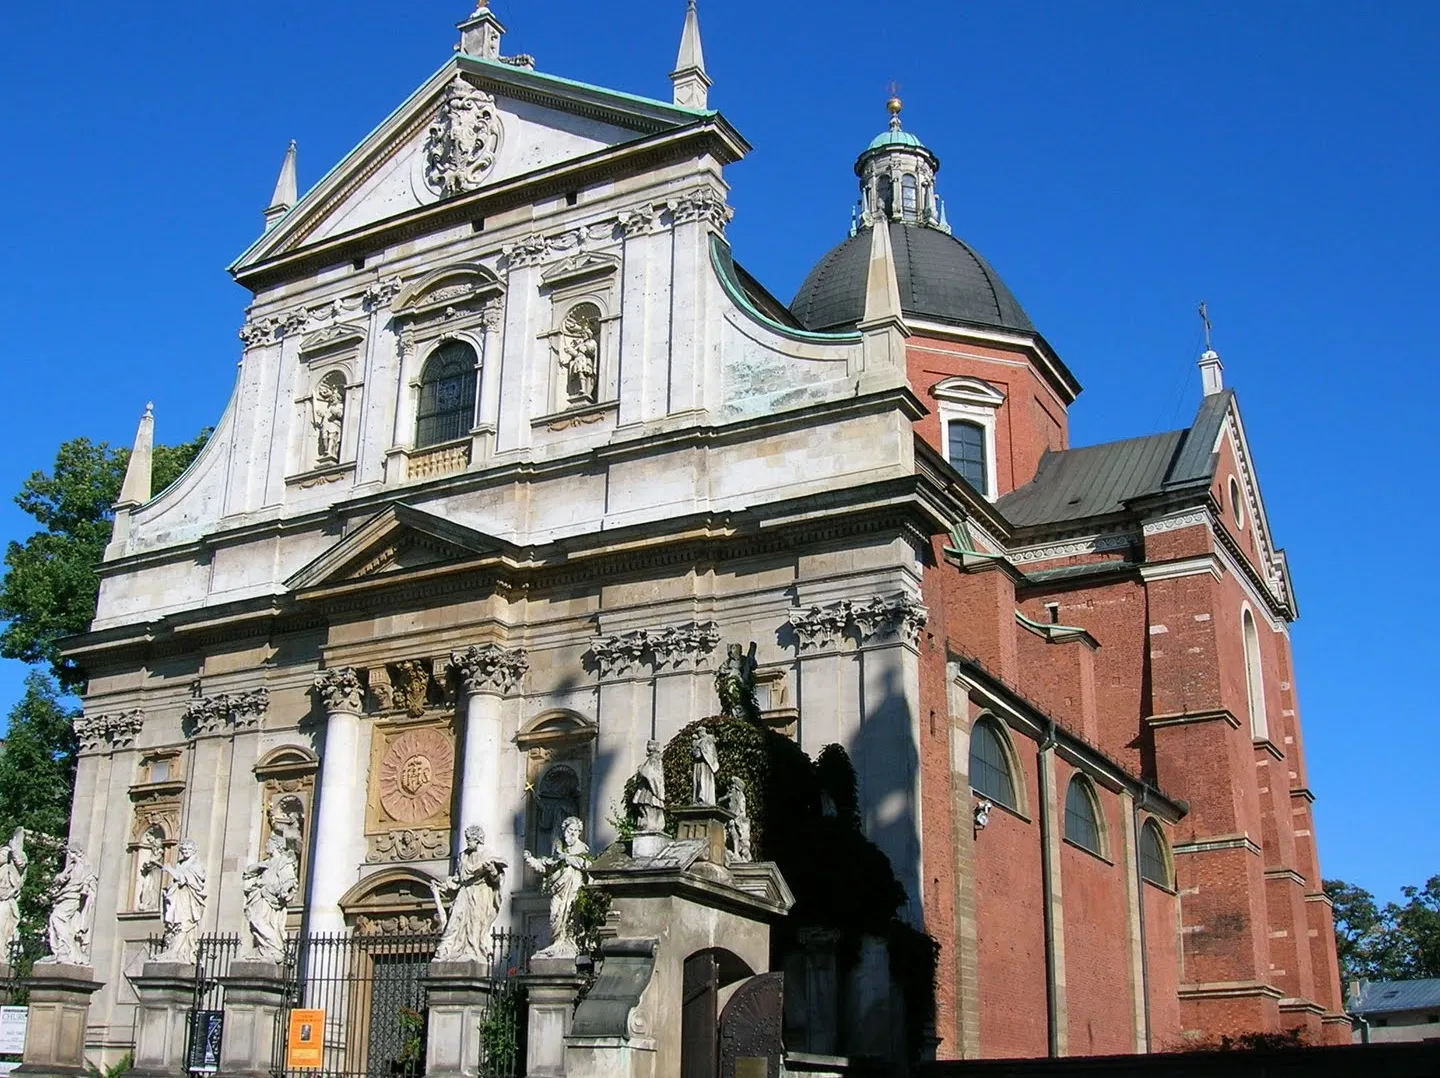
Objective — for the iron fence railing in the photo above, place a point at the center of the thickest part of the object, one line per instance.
(503, 1027)
(25, 951)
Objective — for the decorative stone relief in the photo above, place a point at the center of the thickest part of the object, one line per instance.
(416, 776)
(535, 249)
(381, 293)
(340, 690)
(640, 222)
(463, 140)
(579, 353)
(423, 844)
(403, 924)
(703, 204)
(1175, 523)
(490, 668)
(412, 687)
(616, 656)
(237, 711)
(821, 627)
(108, 732)
(327, 415)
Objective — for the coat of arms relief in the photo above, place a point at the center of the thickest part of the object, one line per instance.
(463, 141)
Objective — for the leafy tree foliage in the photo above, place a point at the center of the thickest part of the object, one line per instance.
(1399, 941)
(37, 778)
(50, 585)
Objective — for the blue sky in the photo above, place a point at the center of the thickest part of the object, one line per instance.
(1117, 162)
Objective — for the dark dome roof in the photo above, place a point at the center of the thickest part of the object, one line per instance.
(940, 278)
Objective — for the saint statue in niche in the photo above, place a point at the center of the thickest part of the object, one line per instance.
(557, 798)
(580, 354)
(329, 418)
(148, 872)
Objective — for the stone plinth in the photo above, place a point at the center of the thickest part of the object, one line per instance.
(166, 991)
(458, 993)
(705, 823)
(255, 996)
(648, 843)
(59, 1012)
(552, 987)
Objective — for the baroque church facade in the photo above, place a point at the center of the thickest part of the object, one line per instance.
(517, 447)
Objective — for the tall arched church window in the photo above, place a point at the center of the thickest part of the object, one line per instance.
(1254, 681)
(447, 395)
(1154, 864)
(966, 444)
(1082, 815)
(909, 197)
(990, 764)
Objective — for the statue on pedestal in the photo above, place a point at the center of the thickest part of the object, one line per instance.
(475, 886)
(182, 906)
(735, 685)
(737, 830)
(269, 886)
(564, 872)
(647, 803)
(13, 866)
(706, 755)
(72, 911)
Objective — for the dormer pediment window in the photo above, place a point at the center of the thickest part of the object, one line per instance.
(967, 408)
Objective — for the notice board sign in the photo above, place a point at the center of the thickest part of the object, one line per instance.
(305, 1045)
(207, 1029)
(12, 1030)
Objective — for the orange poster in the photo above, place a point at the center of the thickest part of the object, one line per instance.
(305, 1047)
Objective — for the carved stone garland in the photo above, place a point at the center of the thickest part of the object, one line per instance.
(619, 655)
(340, 690)
(463, 140)
(237, 711)
(490, 668)
(821, 627)
(109, 731)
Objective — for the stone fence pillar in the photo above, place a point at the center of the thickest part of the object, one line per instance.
(458, 993)
(552, 989)
(59, 1012)
(341, 793)
(167, 992)
(255, 998)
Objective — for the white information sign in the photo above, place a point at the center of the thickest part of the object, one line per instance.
(12, 1030)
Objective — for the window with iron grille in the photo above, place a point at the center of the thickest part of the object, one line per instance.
(990, 765)
(447, 395)
(1082, 815)
(967, 453)
(1154, 865)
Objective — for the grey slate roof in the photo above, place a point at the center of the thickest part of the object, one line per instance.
(1381, 997)
(1074, 484)
(941, 278)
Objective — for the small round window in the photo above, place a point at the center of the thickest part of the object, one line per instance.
(1236, 505)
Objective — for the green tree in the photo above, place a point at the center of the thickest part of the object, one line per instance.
(1417, 930)
(50, 585)
(1391, 942)
(1361, 936)
(37, 778)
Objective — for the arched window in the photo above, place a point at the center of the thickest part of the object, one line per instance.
(990, 764)
(447, 395)
(966, 443)
(1154, 864)
(1254, 683)
(909, 197)
(1082, 815)
(887, 196)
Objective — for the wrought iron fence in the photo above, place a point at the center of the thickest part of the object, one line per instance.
(207, 1011)
(368, 987)
(502, 1029)
(25, 951)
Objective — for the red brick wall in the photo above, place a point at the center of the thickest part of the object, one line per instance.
(1162, 965)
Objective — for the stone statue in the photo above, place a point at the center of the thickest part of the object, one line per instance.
(149, 874)
(329, 420)
(564, 872)
(287, 819)
(707, 762)
(72, 911)
(269, 886)
(183, 905)
(476, 889)
(737, 830)
(647, 803)
(580, 354)
(13, 866)
(735, 685)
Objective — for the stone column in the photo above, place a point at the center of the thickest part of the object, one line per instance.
(458, 993)
(59, 1012)
(166, 991)
(552, 988)
(341, 796)
(255, 1000)
(487, 673)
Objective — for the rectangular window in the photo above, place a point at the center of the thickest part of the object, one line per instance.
(967, 453)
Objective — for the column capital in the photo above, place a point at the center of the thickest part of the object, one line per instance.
(490, 668)
(340, 690)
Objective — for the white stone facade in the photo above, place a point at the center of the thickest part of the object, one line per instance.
(732, 477)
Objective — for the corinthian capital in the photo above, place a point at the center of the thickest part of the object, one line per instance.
(491, 668)
(340, 690)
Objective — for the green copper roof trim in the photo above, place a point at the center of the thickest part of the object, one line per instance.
(895, 138)
(638, 98)
(1046, 628)
(961, 544)
(723, 263)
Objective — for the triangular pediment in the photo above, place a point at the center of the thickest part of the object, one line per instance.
(475, 124)
(398, 541)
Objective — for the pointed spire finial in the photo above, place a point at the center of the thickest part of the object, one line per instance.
(286, 190)
(692, 83)
(895, 106)
(1211, 369)
(480, 34)
(136, 489)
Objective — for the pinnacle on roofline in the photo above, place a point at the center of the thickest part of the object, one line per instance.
(136, 488)
(286, 190)
(691, 81)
